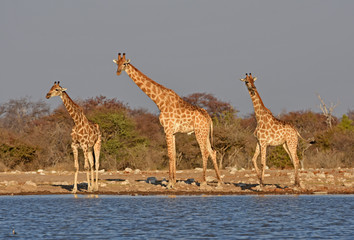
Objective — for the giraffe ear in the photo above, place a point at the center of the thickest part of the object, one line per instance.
(255, 78)
(242, 79)
(64, 89)
(115, 61)
(128, 61)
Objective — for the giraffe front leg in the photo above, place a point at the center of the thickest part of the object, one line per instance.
(171, 149)
(254, 159)
(263, 163)
(91, 163)
(87, 168)
(76, 165)
(96, 150)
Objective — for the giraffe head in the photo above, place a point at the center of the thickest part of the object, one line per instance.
(249, 81)
(121, 62)
(56, 90)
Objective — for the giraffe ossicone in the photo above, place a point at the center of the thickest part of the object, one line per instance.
(84, 134)
(176, 115)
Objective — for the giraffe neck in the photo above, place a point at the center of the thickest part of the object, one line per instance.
(259, 108)
(148, 86)
(75, 111)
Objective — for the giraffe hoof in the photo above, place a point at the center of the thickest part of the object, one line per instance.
(203, 184)
(220, 185)
(169, 185)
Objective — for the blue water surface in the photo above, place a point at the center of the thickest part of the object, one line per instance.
(181, 217)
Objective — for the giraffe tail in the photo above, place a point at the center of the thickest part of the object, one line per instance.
(310, 140)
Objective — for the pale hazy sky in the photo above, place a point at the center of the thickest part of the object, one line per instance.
(295, 48)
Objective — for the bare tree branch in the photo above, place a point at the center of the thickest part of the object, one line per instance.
(327, 112)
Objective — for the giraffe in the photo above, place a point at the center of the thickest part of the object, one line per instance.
(271, 131)
(176, 115)
(84, 134)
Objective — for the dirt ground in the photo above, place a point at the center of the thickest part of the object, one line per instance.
(136, 182)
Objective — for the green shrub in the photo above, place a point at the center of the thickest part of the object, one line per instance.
(122, 145)
(277, 157)
(17, 155)
(346, 124)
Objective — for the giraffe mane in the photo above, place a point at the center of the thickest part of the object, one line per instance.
(152, 81)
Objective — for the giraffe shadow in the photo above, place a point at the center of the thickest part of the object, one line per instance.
(245, 186)
(164, 182)
(248, 186)
(80, 186)
(115, 180)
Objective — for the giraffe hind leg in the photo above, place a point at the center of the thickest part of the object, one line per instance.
(87, 167)
(288, 152)
(212, 154)
(293, 156)
(97, 150)
(202, 137)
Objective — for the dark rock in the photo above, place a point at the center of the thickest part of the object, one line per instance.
(151, 180)
(190, 181)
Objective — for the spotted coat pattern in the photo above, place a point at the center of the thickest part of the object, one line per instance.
(84, 134)
(176, 115)
(271, 131)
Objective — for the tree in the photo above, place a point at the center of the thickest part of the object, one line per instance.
(17, 114)
(102, 102)
(327, 112)
(229, 139)
(307, 122)
(214, 106)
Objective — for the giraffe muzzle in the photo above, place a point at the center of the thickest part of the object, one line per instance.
(119, 72)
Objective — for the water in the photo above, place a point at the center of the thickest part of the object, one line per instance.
(183, 217)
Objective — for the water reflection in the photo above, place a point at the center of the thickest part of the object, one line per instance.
(176, 217)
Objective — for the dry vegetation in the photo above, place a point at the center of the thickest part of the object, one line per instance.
(32, 137)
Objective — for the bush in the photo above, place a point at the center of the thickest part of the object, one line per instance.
(15, 153)
(232, 141)
(32, 138)
(122, 145)
(277, 157)
(346, 124)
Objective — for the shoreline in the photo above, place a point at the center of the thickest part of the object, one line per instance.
(150, 183)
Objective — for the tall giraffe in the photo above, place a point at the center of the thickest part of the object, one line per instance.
(271, 132)
(176, 115)
(84, 134)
